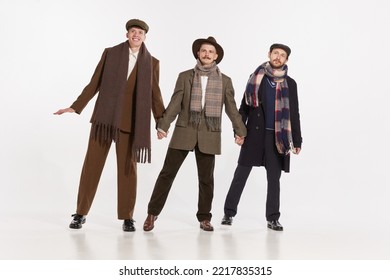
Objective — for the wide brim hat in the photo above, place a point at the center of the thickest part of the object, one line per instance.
(210, 40)
(138, 23)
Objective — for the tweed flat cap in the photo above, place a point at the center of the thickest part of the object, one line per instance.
(138, 23)
(210, 40)
(281, 46)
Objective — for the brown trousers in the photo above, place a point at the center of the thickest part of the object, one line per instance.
(126, 171)
(173, 161)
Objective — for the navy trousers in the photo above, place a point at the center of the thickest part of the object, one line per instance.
(273, 164)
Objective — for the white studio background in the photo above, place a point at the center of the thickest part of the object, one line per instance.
(340, 58)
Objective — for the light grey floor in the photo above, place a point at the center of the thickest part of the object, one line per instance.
(341, 218)
(326, 215)
(47, 237)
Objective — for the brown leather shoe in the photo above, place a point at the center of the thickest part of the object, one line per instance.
(149, 222)
(206, 225)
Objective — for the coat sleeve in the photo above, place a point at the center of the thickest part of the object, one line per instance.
(244, 110)
(294, 114)
(157, 100)
(92, 88)
(231, 110)
(174, 106)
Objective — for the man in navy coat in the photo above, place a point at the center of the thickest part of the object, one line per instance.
(270, 111)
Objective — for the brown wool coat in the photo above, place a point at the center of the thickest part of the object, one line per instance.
(126, 119)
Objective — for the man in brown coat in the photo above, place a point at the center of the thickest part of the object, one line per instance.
(127, 79)
(197, 101)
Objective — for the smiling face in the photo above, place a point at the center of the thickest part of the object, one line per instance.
(207, 54)
(135, 36)
(277, 58)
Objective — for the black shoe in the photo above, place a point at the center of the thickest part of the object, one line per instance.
(227, 220)
(275, 225)
(77, 221)
(128, 225)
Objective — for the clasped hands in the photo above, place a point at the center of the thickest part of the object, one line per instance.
(161, 134)
(239, 140)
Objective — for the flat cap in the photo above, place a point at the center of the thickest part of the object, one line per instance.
(138, 23)
(281, 46)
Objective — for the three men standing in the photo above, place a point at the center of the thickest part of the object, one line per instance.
(127, 79)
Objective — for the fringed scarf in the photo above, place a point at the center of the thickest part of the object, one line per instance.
(283, 137)
(213, 96)
(108, 111)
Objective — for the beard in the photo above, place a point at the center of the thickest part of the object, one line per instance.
(275, 66)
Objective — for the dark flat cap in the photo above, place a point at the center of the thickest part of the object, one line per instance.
(138, 23)
(281, 46)
(210, 40)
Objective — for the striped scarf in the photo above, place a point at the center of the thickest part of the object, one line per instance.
(283, 137)
(213, 96)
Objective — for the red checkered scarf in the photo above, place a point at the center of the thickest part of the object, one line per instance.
(213, 96)
(283, 137)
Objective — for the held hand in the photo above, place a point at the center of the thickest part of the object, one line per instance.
(66, 110)
(239, 140)
(161, 134)
(296, 151)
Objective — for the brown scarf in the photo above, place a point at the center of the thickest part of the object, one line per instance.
(108, 111)
(213, 96)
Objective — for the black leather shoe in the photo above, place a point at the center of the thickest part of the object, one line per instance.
(128, 225)
(227, 220)
(275, 225)
(77, 221)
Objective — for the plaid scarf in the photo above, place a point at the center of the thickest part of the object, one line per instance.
(283, 137)
(213, 96)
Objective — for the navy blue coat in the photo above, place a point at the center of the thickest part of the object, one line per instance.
(252, 151)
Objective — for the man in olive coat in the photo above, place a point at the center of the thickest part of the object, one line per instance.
(127, 79)
(197, 102)
(270, 111)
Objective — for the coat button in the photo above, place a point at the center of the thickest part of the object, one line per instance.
(257, 127)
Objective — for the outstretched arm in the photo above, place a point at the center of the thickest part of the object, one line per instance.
(89, 91)
(66, 110)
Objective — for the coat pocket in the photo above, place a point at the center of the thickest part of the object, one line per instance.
(181, 123)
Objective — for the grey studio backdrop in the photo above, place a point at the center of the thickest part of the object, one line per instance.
(340, 58)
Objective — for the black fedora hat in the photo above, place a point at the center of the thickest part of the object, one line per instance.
(210, 40)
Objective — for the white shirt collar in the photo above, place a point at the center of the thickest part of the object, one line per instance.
(133, 54)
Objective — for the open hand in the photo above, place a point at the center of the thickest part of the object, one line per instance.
(66, 110)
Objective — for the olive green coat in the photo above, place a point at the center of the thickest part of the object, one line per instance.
(185, 135)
